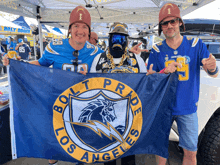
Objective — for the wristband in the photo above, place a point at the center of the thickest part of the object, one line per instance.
(213, 73)
(162, 71)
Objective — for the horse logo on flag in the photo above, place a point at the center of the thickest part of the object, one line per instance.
(98, 119)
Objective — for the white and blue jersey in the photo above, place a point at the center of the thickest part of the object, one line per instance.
(60, 55)
(190, 54)
(23, 51)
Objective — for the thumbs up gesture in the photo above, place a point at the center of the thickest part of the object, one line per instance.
(209, 63)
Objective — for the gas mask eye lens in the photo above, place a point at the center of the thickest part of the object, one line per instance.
(118, 39)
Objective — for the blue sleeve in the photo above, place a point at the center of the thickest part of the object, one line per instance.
(203, 51)
(47, 59)
(152, 60)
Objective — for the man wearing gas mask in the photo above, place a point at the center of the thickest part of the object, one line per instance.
(117, 58)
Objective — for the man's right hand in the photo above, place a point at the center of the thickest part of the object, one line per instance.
(5, 60)
(172, 67)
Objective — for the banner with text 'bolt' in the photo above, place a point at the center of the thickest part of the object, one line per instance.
(68, 116)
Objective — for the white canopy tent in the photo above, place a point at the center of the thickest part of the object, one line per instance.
(56, 12)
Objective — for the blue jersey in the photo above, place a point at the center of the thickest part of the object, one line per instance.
(23, 51)
(190, 54)
(12, 46)
(60, 55)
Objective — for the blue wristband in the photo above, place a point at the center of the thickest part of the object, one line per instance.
(213, 73)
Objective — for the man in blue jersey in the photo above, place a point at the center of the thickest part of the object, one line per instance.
(23, 49)
(12, 44)
(72, 54)
(191, 53)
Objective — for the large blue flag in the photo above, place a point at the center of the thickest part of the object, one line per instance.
(67, 116)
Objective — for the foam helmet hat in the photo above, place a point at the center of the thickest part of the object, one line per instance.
(169, 10)
(81, 15)
(118, 27)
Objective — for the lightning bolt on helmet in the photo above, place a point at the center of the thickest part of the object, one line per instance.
(81, 15)
(169, 10)
(118, 27)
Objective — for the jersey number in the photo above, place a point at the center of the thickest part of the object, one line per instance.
(70, 67)
(21, 49)
(184, 71)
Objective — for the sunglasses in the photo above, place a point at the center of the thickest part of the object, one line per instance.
(118, 39)
(75, 54)
(172, 22)
(96, 41)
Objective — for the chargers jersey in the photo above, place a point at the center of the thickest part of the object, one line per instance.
(24, 51)
(190, 54)
(60, 55)
(133, 64)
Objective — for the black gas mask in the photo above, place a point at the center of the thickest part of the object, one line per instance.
(117, 44)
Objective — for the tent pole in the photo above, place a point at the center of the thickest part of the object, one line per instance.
(35, 55)
(40, 37)
(40, 30)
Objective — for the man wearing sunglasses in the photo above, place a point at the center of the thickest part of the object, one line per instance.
(117, 59)
(93, 38)
(184, 55)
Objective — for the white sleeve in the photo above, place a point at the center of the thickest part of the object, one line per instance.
(142, 66)
(94, 64)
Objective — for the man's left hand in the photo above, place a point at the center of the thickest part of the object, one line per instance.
(209, 63)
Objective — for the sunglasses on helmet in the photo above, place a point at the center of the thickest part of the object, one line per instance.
(172, 22)
(118, 39)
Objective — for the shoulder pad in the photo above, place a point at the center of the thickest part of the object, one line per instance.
(195, 41)
(156, 48)
(57, 41)
(92, 47)
(89, 46)
(95, 51)
(50, 50)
